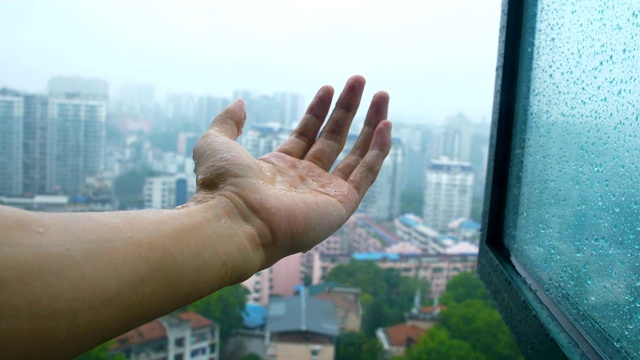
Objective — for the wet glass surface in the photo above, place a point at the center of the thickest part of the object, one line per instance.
(573, 214)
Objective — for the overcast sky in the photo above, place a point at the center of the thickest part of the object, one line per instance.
(435, 58)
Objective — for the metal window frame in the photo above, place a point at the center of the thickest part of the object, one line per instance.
(540, 327)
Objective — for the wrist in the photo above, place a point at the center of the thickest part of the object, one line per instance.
(230, 231)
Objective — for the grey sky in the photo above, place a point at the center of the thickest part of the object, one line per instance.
(435, 58)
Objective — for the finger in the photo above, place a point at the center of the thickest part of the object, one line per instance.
(377, 112)
(367, 170)
(231, 120)
(303, 137)
(332, 138)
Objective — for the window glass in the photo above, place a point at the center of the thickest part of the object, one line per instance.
(573, 209)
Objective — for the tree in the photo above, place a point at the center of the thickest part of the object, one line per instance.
(465, 286)
(356, 346)
(101, 352)
(225, 307)
(386, 294)
(470, 317)
(366, 275)
(250, 356)
(437, 344)
(481, 326)
(128, 188)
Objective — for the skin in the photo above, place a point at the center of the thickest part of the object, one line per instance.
(70, 281)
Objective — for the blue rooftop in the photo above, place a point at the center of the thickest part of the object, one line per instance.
(254, 316)
(470, 225)
(450, 166)
(377, 256)
(392, 239)
(408, 221)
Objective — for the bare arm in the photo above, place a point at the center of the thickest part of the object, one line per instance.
(71, 281)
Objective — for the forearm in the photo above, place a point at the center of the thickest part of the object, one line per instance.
(77, 279)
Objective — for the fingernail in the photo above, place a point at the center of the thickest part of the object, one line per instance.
(240, 105)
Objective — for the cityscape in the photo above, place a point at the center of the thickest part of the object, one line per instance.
(76, 149)
(103, 240)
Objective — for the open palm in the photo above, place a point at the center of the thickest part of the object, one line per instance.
(289, 195)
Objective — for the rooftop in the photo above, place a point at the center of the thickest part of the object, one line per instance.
(302, 313)
(150, 331)
(400, 334)
(197, 321)
(155, 330)
(340, 300)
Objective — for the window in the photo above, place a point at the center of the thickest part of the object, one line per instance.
(562, 226)
(179, 342)
(198, 352)
(199, 337)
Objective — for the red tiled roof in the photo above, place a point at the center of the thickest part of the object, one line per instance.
(430, 309)
(197, 320)
(340, 300)
(150, 331)
(154, 330)
(398, 334)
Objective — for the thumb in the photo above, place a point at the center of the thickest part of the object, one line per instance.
(231, 120)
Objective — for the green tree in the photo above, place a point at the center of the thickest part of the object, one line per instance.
(225, 307)
(366, 275)
(465, 286)
(250, 356)
(481, 326)
(470, 317)
(128, 188)
(437, 344)
(356, 346)
(101, 352)
(386, 295)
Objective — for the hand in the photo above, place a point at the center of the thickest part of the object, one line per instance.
(289, 196)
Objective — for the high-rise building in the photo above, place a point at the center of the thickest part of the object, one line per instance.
(36, 127)
(291, 106)
(382, 201)
(135, 101)
(207, 108)
(180, 106)
(166, 192)
(448, 192)
(416, 153)
(460, 139)
(457, 133)
(77, 112)
(259, 287)
(284, 109)
(479, 157)
(11, 140)
(261, 139)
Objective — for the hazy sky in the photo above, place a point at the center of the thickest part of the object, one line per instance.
(435, 58)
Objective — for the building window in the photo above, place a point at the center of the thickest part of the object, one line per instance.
(199, 352)
(562, 226)
(179, 342)
(199, 337)
(178, 356)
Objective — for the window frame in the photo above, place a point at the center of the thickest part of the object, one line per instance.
(539, 325)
